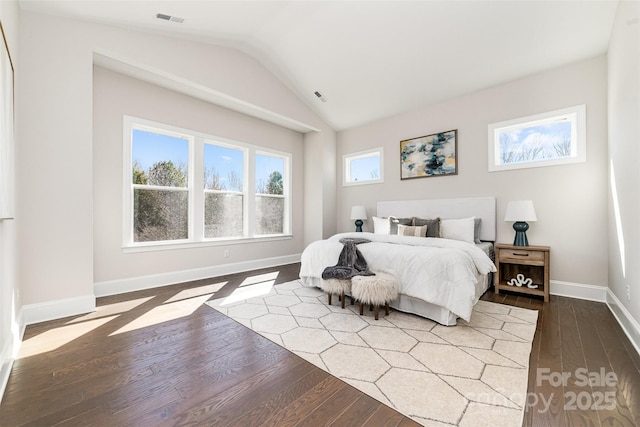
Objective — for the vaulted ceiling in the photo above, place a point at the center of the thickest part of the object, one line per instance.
(374, 59)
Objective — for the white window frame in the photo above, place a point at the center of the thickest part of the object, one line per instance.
(196, 189)
(346, 166)
(577, 117)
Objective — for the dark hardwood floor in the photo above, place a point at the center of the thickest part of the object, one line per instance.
(160, 357)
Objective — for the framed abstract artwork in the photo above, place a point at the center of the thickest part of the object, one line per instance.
(431, 155)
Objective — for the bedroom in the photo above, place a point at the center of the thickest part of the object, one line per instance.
(56, 66)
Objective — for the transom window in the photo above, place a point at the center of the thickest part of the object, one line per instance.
(185, 187)
(553, 138)
(364, 167)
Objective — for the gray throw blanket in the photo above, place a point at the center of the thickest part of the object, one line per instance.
(350, 262)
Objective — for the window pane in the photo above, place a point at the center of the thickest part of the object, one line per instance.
(269, 214)
(364, 168)
(159, 159)
(223, 215)
(269, 194)
(223, 168)
(160, 215)
(534, 142)
(269, 174)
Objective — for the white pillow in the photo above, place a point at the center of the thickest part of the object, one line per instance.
(458, 229)
(381, 225)
(411, 230)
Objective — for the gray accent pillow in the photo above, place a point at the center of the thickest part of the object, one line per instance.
(393, 223)
(433, 225)
(477, 223)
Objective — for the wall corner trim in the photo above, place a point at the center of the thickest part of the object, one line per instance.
(629, 325)
(9, 350)
(50, 310)
(120, 286)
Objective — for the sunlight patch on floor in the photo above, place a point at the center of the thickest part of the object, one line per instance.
(57, 337)
(164, 313)
(195, 292)
(111, 309)
(248, 291)
(259, 278)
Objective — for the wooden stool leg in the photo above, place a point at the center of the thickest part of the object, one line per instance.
(375, 312)
(342, 299)
(329, 298)
(386, 308)
(361, 309)
(351, 300)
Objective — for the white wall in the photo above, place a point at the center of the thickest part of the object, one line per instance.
(116, 95)
(570, 200)
(10, 323)
(624, 155)
(55, 159)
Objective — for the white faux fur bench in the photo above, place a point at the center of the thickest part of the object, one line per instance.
(338, 287)
(375, 290)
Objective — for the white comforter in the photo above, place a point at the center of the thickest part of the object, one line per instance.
(440, 271)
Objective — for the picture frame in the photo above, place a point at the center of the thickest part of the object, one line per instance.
(430, 155)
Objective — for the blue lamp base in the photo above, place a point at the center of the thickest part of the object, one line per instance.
(359, 225)
(521, 228)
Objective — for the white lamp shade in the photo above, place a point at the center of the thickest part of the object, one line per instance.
(358, 212)
(521, 210)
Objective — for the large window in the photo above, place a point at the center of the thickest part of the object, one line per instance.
(553, 138)
(364, 167)
(183, 187)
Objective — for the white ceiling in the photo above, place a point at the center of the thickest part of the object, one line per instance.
(374, 59)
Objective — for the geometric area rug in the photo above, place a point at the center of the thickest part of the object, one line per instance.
(471, 374)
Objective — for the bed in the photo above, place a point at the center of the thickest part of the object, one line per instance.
(439, 278)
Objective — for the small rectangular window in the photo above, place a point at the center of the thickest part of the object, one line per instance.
(364, 167)
(553, 138)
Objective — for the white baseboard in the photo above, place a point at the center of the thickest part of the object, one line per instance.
(629, 325)
(50, 310)
(114, 287)
(578, 290)
(9, 350)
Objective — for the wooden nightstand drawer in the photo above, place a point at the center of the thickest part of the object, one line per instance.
(521, 255)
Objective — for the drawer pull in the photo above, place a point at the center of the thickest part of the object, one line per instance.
(520, 254)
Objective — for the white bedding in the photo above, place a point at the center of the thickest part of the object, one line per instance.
(440, 271)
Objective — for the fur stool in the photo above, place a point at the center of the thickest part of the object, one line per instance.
(375, 290)
(336, 286)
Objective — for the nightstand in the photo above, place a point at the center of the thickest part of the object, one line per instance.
(525, 267)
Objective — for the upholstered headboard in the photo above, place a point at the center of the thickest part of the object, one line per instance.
(480, 207)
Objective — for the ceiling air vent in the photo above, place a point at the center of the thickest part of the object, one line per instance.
(320, 96)
(170, 18)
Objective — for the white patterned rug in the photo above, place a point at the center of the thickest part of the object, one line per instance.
(472, 374)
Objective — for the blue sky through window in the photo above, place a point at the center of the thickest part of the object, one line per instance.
(364, 169)
(536, 142)
(148, 148)
(265, 165)
(225, 161)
